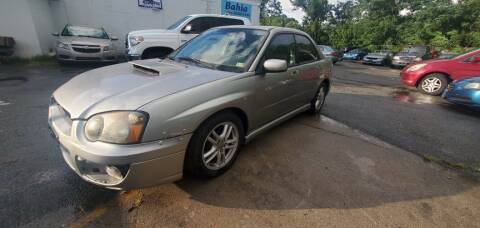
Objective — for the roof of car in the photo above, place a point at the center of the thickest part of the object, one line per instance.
(218, 15)
(266, 28)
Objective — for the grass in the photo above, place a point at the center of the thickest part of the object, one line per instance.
(36, 60)
(434, 159)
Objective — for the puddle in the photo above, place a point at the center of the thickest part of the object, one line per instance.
(406, 96)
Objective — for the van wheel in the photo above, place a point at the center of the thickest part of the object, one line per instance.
(214, 146)
(433, 84)
(318, 101)
(156, 53)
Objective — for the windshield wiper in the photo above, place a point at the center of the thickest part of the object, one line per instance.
(198, 62)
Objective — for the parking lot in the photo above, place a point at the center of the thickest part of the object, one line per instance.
(381, 155)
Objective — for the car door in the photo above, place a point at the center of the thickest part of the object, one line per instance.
(274, 91)
(467, 68)
(307, 73)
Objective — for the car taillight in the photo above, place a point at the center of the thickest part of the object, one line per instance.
(333, 53)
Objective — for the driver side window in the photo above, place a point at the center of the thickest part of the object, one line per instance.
(282, 47)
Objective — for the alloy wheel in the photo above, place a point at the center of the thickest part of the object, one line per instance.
(431, 85)
(220, 146)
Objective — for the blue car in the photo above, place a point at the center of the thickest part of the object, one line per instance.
(356, 54)
(464, 92)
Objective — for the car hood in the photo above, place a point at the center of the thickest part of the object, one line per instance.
(84, 40)
(125, 87)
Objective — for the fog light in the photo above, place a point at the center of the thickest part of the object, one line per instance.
(114, 172)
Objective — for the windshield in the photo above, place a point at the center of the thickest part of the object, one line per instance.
(466, 54)
(178, 23)
(85, 32)
(382, 53)
(226, 49)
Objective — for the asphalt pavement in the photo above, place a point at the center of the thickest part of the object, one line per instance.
(353, 168)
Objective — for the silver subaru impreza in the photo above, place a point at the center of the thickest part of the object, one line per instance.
(148, 122)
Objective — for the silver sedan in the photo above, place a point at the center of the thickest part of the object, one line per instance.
(148, 122)
(77, 43)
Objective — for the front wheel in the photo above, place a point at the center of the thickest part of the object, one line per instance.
(433, 84)
(318, 101)
(214, 145)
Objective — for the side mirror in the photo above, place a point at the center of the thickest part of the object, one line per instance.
(114, 38)
(476, 59)
(187, 28)
(275, 65)
(55, 34)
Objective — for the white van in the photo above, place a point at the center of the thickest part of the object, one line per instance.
(158, 43)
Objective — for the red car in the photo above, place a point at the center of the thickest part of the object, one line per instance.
(433, 76)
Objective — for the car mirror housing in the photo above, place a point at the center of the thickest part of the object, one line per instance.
(275, 65)
(187, 28)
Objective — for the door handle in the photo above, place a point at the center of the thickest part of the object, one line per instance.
(294, 73)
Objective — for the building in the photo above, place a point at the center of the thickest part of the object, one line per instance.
(31, 22)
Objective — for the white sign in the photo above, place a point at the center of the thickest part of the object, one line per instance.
(153, 4)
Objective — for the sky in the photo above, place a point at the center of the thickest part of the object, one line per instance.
(297, 14)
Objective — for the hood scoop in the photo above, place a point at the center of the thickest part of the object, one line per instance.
(146, 69)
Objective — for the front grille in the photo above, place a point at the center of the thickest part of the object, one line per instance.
(88, 58)
(406, 58)
(86, 50)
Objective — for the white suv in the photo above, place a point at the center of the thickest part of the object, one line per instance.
(158, 43)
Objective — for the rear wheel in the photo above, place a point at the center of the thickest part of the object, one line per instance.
(318, 101)
(433, 84)
(156, 53)
(215, 145)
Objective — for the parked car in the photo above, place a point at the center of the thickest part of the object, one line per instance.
(158, 43)
(464, 92)
(432, 77)
(143, 123)
(78, 43)
(7, 45)
(382, 57)
(411, 54)
(447, 55)
(355, 54)
(329, 53)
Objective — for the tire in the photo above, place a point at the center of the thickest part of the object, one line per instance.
(318, 101)
(433, 84)
(197, 159)
(151, 54)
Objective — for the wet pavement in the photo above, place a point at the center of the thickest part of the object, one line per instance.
(372, 99)
(309, 171)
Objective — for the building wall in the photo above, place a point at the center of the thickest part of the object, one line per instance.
(31, 22)
(119, 17)
(16, 21)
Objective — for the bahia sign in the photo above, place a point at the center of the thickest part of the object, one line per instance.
(236, 9)
(153, 4)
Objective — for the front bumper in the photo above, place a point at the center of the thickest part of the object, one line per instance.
(373, 61)
(401, 63)
(138, 165)
(456, 95)
(73, 56)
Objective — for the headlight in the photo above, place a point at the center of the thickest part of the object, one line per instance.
(472, 85)
(134, 40)
(418, 59)
(107, 48)
(416, 67)
(396, 57)
(63, 45)
(122, 127)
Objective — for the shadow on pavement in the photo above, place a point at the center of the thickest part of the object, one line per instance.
(300, 166)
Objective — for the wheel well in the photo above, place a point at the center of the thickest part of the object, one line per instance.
(327, 82)
(239, 112)
(157, 49)
(425, 75)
